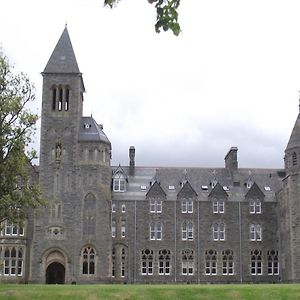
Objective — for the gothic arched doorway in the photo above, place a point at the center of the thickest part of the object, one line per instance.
(55, 273)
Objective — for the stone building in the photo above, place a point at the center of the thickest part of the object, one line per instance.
(136, 224)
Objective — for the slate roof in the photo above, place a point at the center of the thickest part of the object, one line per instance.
(62, 59)
(269, 181)
(295, 136)
(90, 131)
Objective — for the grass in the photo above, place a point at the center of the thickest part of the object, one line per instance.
(147, 292)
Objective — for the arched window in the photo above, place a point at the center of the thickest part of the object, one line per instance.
(123, 262)
(219, 232)
(13, 261)
(164, 262)
(256, 262)
(119, 182)
(113, 262)
(187, 231)
(273, 262)
(255, 232)
(89, 215)
(147, 262)
(54, 98)
(227, 262)
(187, 262)
(88, 260)
(211, 262)
(67, 91)
(60, 98)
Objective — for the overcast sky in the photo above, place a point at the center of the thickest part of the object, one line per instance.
(230, 79)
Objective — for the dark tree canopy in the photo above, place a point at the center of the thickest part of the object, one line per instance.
(18, 192)
(166, 14)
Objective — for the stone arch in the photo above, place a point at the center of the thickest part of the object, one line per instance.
(54, 266)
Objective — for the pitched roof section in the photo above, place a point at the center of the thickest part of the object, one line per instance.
(255, 191)
(218, 191)
(156, 191)
(90, 131)
(187, 191)
(294, 141)
(62, 59)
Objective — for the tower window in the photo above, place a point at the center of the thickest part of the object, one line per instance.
(294, 159)
(60, 99)
(67, 99)
(54, 98)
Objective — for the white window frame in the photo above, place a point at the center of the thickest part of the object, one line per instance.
(123, 208)
(113, 229)
(155, 206)
(119, 183)
(156, 231)
(255, 232)
(123, 230)
(187, 206)
(218, 206)
(255, 206)
(113, 208)
(256, 265)
(219, 232)
(273, 263)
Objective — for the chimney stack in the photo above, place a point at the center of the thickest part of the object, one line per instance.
(231, 162)
(131, 160)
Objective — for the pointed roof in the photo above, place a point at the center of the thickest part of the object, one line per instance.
(156, 191)
(218, 191)
(187, 191)
(294, 141)
(62, 59)
(255, 191)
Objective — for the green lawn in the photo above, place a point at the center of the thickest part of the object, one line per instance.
(145, 292)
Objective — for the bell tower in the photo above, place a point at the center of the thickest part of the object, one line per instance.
(75, 179)
(289, 200)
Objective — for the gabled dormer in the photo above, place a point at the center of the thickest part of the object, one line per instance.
(119, 180)
(187, 191)
(255, 192)
(156, 191)
(218, 192)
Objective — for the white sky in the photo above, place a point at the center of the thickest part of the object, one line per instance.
(230, 79)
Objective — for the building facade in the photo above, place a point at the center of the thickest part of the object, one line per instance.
(131, 224)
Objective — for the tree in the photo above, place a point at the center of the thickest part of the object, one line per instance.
(18, 192)
(166, 14)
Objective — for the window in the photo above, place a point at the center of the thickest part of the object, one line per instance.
(210, 262)
(218, 207)
(88, 261)
(123, 208)
(255, 232)
(155, 206)
(123, 229)
(255, 206)
(273, 262)
(113, 262)
(227, 262)
(294, 159)
(113, 229)
(219, 232)
(187, 206)
(119, 182)
(256, 262)
(11, 229)
(13, 261)
(155, 231)
(123, 262)
(53, 98)
(89, 215)
(187, 262)
(67, 91)
(187, 231)
(113, 208)
(164, 265)
(60, 98)
(147, 262)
